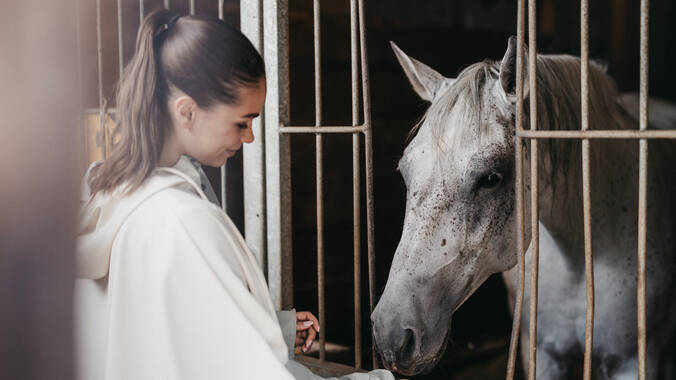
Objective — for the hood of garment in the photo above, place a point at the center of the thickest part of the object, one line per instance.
(102, 215)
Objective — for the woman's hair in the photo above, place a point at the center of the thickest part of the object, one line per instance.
(205, 58)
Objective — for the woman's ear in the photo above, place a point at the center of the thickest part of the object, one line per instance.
(184, 108)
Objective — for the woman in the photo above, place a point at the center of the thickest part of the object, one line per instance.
(167, 288)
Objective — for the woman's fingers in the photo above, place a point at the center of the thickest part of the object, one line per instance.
(308, 316)
(303, 325)
(305, 334)
(311, 334)
(301, 337)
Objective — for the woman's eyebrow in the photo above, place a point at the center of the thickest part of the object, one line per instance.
(251, 115)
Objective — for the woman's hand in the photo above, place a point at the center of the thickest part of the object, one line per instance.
(307, 327)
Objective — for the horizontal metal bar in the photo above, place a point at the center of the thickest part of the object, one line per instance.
(599, 134)
(328, 129)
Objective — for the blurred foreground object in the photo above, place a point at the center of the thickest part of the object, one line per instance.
(39, 149)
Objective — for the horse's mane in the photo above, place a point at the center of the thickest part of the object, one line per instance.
(558, 80)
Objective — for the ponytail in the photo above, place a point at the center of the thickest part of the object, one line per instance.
(204, 58)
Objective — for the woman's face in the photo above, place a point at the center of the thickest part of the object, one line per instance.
(219, 131)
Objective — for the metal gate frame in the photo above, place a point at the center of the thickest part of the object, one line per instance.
(267, 170)
(533, 135)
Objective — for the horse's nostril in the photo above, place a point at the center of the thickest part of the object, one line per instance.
(408, 345)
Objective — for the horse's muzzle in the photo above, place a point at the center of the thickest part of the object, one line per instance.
(400, 346)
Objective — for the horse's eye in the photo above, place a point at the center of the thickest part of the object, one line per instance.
(489, 181)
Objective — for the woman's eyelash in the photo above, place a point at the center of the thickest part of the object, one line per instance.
(242, 125)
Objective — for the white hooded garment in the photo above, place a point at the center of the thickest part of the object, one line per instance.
(167, 289)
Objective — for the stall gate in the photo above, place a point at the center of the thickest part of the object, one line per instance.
(266, 162)
(533, 135)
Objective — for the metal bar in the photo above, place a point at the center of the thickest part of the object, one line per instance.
(251, 14)
(586, 191)
(327, 129)
(166, 4)
(520, 226)
(80, 83)
(535, 240)
(643, 190)
(356, 180)
(141, 11)
(368, 157)
(321, 283)
(192, 7)
(224, 192)
(99, 57)
(256, 250)
(600, 134)
(277, 158)
(120, 42)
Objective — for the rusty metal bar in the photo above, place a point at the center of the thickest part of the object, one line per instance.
(586, 191)
(327, 129)
(120, 42)
(643, 190)
(141, 11)
(356, 180)
(220, 9)
(368, 157)
(535, 240)
(192, 7)
(600, 134)
(520, 226)
(321, 283)
(99, 57)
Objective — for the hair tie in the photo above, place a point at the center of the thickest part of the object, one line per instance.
(164, 27)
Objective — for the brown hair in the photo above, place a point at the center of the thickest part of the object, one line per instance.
(205, 58)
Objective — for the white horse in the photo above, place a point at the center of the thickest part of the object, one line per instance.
(459, 226)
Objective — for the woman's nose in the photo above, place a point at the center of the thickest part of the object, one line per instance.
(247, 135)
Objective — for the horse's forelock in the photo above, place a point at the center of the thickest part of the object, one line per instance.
(460, 104)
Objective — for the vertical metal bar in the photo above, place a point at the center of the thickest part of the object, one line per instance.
(82, 124)
(643, 191)
(586, 190)
(120, 43)
(192, 7)
(141, 11)
(251, 14)
(535, 240)
(257, 250)
(277, 158)
(166, 4)
(368, 156)
(99, 56)
(319, 178)
(356, 180)
(520, 226)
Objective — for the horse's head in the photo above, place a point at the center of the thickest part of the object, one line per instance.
(458, 229)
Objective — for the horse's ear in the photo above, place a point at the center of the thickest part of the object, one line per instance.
(508, 70)
(425, 81)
